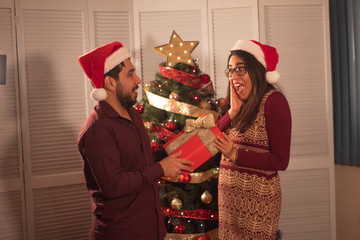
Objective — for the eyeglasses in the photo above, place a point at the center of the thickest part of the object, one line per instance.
(240, 71)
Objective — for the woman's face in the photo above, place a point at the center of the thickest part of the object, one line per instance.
(242, 84)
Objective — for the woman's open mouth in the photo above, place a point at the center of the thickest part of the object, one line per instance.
(239, 87)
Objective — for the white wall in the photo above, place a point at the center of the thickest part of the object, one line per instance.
(347, 179)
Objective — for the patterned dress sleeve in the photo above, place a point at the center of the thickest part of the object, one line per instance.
(278, 126)
(223, 123)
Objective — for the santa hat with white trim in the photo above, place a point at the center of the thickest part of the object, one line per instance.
(100, 61)
(265, 54)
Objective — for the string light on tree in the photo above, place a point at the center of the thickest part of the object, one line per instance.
(205, 105)
(148, 125)
(177, 50)
(174, 96)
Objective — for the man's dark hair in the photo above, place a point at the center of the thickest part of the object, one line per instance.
(114, 73)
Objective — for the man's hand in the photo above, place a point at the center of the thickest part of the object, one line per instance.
(173, 166)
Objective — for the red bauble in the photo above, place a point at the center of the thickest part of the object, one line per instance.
(155, 128)
(203, 237)
(180, 229)
(205, 78)
(171, 125)
(139, 108)
(185, 178)
(154, 146)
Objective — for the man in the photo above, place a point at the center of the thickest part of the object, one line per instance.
(120, 172)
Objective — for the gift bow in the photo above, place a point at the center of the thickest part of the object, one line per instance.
(205, 121)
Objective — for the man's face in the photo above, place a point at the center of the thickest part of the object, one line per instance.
(127, 85)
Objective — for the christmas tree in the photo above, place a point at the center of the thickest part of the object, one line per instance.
(179, 92)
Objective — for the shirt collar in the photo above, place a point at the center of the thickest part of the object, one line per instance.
(109, 111)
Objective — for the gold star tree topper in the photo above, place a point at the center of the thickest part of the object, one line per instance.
(177, 50)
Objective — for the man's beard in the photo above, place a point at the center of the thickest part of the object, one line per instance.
(125, 99)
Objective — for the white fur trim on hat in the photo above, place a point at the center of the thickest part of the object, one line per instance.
(272, 77)
(99, 94)
(251, 48)
(116, 58)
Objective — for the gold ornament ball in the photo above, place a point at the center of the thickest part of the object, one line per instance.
(176, 204)
(205, 105)
(174, 96)
(206, 197)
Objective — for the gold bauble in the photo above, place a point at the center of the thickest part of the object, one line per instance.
(206, 197)
(174, 96)
(176, 204)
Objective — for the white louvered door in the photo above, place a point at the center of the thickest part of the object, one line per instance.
(228, 22)
(300, 30)
(12, 202)
(53, 102)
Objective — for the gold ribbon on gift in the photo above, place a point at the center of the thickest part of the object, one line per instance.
(205, 121)
(201, 128)
(174, 106)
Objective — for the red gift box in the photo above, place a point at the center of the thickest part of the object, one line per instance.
(196, 141)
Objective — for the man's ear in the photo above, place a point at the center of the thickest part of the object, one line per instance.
(109, 83)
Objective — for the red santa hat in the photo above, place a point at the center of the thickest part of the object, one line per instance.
(100, 61)
(265, 54)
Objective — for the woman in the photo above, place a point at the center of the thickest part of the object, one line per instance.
(257, 121)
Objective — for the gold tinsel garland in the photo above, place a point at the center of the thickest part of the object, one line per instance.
(171, 105)
(213, 235)
(198, 177)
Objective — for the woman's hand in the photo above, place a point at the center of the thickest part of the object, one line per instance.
(226, 146)
(235, 101)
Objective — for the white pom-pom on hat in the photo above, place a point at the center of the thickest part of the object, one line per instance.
(272, 77)
(98, 94)
(265, 54)
(100, 61)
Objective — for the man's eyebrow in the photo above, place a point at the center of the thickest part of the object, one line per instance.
(131, 70)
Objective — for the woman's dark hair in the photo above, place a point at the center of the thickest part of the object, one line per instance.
(248, 112)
